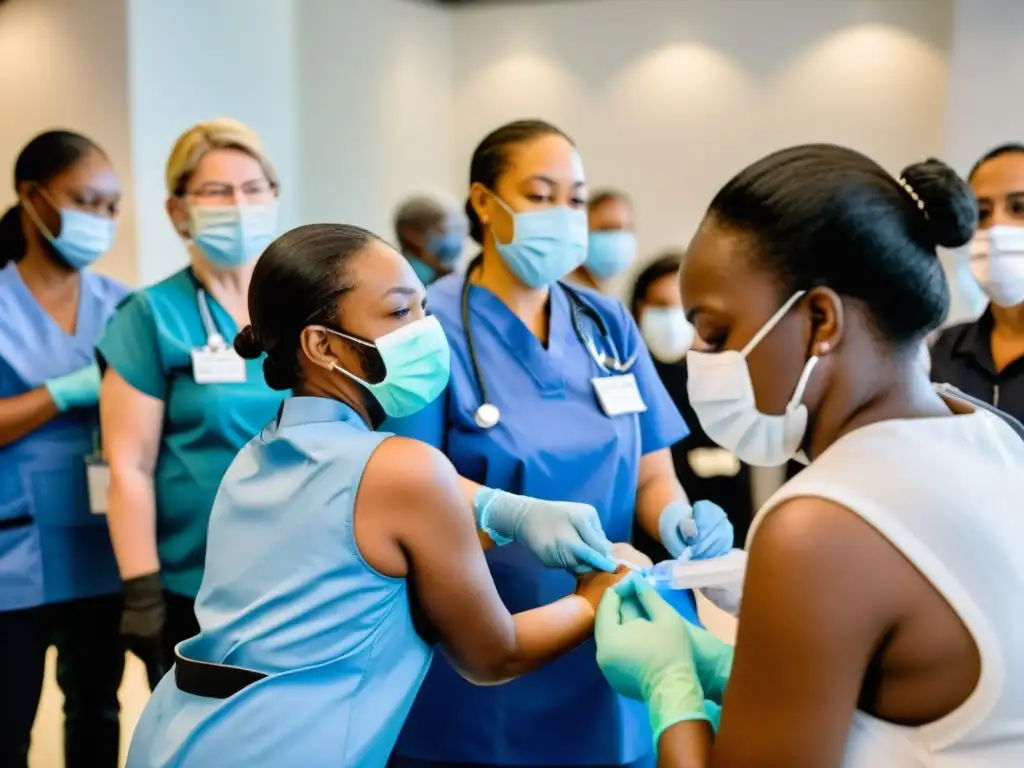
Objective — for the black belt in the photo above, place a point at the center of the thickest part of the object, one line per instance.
(214, 681)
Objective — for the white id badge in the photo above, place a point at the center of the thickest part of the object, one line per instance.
(619, 395)
(217, 366)
(98, 476)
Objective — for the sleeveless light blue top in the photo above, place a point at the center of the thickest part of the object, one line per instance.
(286, 592)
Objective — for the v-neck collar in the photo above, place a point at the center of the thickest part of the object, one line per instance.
(545, 365)
(84, 330)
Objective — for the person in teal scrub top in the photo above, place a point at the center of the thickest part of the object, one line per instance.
(58, 579)
(177, 402)
(340, 556)
(431, 233)
(611, 244)
(553, 396)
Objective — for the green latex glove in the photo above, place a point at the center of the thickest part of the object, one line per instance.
(649, 658)
(80, 389)
(713, 660)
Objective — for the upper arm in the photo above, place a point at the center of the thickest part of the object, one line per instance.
(426, 426)
(132, 424)
(419, 489)
(130, 347)
(815, 609)
(661, 425)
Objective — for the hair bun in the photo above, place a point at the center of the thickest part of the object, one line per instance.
(247, 345)
(949, 203)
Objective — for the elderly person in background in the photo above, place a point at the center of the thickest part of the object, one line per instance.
(430, 231)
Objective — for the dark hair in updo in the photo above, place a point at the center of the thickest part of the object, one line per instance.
(490, 159)
(297, 282)
(822, 215)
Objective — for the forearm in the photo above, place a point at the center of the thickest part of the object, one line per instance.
(685, 745)
(131, 518)
(23, 414)
(469, 489)
(544, 634)
(653, 494)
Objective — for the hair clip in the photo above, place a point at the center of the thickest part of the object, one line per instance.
(913, 195)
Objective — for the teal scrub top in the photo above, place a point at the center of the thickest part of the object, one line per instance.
(149, 342)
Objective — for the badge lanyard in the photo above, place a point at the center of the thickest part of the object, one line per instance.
(217, 362)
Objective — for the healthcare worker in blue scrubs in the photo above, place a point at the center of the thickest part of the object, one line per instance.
(554, 396)
(431, 232)
(177, 402)
(339, 556)
(58, 579)
(611, 245)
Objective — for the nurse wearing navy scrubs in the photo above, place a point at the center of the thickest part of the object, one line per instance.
(58, 580)
(177, 402)
(554, 396)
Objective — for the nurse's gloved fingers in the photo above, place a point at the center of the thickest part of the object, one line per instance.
(654, 604)
(607, 619)
(672, 539)
(588, 558)
(593, 534)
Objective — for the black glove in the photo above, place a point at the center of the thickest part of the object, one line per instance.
(142, 623)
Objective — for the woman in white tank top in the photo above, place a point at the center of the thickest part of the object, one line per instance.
(881, 624)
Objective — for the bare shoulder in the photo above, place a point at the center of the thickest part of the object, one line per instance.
(411, 474)
(828, 555)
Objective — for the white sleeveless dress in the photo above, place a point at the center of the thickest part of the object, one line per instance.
(948, 493)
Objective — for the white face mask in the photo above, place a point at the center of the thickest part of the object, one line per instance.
(722, 395)
(667, 332)
(997, 263)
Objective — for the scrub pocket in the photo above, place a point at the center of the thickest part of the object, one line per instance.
(21, 564)
(59, 496)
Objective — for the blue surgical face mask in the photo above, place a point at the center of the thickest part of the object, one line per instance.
(417, 364)
(446, 247)
(83, 238)
(232, 236)
(546, 245)
(609, 253)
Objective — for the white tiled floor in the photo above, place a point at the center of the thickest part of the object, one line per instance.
(46, 737)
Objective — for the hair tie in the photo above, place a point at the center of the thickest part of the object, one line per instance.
(913, 196)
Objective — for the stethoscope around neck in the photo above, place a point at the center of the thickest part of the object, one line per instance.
(487, 414)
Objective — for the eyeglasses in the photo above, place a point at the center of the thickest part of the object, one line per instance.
(261, 191)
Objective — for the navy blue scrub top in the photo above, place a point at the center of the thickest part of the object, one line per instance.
(553, 442)
(52, 548)
(962, 356)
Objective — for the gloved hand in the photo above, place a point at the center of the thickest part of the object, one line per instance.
(142, 623)
(649, 658)
(562, 534)
(76, 390)
(712, 658)
(704, 529)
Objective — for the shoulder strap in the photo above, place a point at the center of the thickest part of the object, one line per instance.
(950, 391)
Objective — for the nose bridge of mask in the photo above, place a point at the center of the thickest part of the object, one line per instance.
(770, 325)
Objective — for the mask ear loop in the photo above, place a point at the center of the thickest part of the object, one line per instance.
(801, 383)
(772, 322)
(511, 215)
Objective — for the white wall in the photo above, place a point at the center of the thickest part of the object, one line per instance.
(193, 60)
(63, 64)
(667, 98)
(375, 96)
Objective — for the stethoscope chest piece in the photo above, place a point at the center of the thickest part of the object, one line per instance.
(487, 416)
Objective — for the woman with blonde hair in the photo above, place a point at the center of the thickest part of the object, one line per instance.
(177, 403)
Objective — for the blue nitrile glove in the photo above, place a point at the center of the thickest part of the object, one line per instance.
(704, 528)
(76, 390)
(651, 658)
(562, 534)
